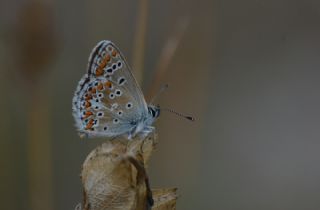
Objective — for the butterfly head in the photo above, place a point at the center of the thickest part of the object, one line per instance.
(154, 111)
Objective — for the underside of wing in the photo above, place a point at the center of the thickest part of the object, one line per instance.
(108, 101)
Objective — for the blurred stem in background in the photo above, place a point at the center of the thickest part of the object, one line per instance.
(35, 46)
(167, 53)
(39, 152)
(139, 41)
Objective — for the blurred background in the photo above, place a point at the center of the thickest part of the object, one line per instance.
(248, 71)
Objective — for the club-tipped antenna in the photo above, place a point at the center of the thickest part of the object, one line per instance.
(179, 114)
(163, 88)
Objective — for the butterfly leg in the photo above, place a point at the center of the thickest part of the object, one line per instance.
(149, 129)
(145, 132)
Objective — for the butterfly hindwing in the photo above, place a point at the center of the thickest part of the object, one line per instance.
(108, 101)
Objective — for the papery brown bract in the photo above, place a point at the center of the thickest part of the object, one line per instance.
(114, 177)
(164, 199)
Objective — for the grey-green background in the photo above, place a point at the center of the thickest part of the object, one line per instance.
(247, 70)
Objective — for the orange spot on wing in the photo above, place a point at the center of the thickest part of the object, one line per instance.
(108, 84)
(108, 58)
(87, 114)
(99, 71)
(114, 53)
(100, 86)
(88, 104)
(103, 64)
(94, 90)
(89, 97)
(89, 124)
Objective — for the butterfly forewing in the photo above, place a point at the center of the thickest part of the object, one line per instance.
(108, 100)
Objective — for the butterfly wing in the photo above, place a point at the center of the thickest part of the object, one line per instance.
(108, 101)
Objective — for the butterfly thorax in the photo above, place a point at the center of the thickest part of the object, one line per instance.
(144, 126)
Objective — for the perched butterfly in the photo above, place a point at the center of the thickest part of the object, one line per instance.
(108, 101)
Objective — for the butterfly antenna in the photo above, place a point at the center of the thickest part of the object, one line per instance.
(163, 88)
(179, 114)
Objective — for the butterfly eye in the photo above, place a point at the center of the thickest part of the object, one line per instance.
(129, 105)
(115, 121)
(119, 64)
(120, 113)
(103, 53)
(105, 128)
(96, 107)
(114, 66)
(100, 95)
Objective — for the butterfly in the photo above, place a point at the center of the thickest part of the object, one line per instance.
(108, 101)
